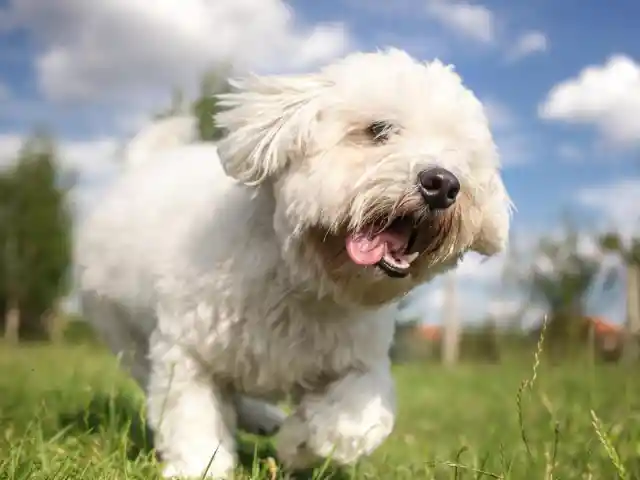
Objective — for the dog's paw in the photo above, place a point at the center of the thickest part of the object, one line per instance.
(292, 445)
(174, 472)
(218, 468)
(306, 440)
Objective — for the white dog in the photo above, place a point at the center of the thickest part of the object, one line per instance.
(270, 265)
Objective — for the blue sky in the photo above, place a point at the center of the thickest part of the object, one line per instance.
(570, 141)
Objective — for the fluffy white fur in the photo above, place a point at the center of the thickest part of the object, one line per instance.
(219, 272)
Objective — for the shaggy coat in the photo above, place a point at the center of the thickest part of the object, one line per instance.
(231, 275)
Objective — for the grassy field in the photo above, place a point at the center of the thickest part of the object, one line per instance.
(67, 413)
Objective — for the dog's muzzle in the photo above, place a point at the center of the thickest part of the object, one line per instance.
(439, 189)
(396, 245)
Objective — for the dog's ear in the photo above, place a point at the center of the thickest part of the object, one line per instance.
(267, 120)
(493, 235)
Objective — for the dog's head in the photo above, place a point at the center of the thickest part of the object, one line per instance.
(383, 170)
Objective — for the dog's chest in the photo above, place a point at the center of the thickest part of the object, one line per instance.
(294, 350)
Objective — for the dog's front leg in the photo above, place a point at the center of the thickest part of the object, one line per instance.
(348, 419)
(192, 419)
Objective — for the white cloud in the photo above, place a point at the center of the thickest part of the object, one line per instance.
(85, 196)
(95, 163)
(499, 114)
(621, 215)
(528, 43)
(9, 146)
(606, 96)
(466, 19)
(91, 158)
(472, 300)
(503, 308)
(477, 268)
(513, 311)
(433, 300)
(473, 21)
(478, 282)
(128, 49)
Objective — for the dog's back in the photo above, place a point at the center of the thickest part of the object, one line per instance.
(160, 136)
(161, 182)
(135, 239)
(128, 242)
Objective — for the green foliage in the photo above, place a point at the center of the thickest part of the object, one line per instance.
(35, 234)
(407, 345)
(565, 285)
(613, 243)
(80, 332)
(480, 343)
(204, 107)
(6, 240)
(561, 279)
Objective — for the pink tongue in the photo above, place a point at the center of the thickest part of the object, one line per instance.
(364, 250)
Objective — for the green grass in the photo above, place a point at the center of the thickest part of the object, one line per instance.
(68, 413)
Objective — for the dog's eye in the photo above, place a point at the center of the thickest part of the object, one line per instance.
(380, 131)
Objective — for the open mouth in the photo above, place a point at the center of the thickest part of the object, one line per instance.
(390, 247)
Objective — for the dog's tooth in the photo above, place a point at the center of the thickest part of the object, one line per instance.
(411, 257)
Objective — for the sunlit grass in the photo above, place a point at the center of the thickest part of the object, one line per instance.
(67, 412)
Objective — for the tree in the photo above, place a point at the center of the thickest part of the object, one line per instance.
(35, 238)
(203, 108)
(400, 350)
(178, 105)
(404, 328)
(629, 255)
(562, 277)
(206, 105)
(8, 266)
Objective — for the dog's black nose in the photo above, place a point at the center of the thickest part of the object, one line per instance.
(439, 187)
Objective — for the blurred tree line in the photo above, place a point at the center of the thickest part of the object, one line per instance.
(36, 227)
(560, 277)
(35, 240)
(203, 108)
(570, 270)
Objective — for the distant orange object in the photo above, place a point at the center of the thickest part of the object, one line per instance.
(603, 327)
(607, 334)
(430, 332)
